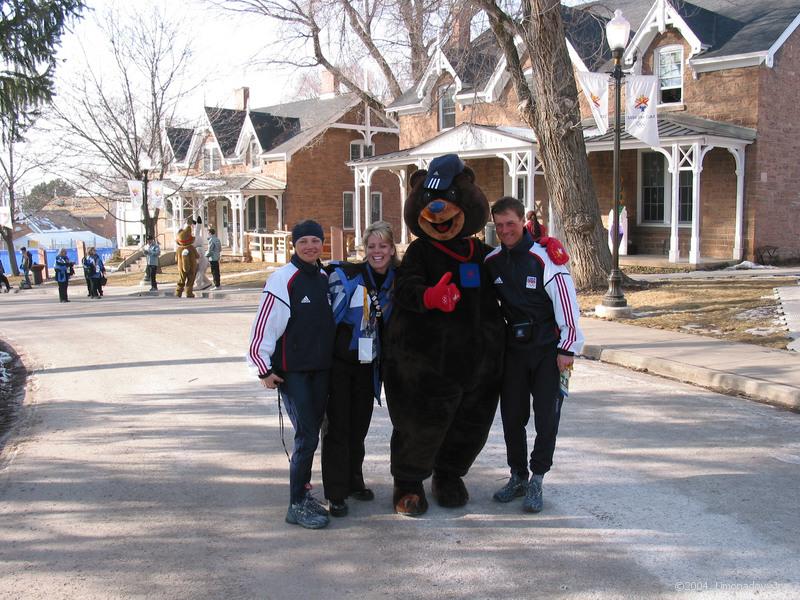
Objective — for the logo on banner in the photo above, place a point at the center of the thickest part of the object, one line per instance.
(595, 100)
(642, 103)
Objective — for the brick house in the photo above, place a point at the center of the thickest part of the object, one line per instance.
(723, 183)
(261, 170)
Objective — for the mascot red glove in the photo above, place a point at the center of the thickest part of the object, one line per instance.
(444, 295)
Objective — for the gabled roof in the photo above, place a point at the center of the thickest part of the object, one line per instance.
(313, 116)
(272, 130)
(226, 124)
(718, 28)
(179, 138)
(214, 183)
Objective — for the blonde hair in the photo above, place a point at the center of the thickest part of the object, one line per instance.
(384, 231)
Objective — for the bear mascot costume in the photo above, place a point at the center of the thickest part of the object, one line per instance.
(187, 256)
(444, 345)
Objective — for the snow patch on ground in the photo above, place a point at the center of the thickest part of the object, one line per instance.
(764, 331)
(695, 328)
(746, 265)
(5, 359)
(760, 312)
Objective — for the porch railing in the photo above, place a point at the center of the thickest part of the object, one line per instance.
(269, 247)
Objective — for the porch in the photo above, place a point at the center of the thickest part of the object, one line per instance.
(668, 210)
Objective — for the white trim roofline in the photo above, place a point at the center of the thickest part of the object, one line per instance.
(770, 60)
(732, 61)
(661, 14)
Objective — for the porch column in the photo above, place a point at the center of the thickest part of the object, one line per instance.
(241, 224)
(697, 167)
(235, 202)
(401, 177)
(674, 169)
(738, 236)
(357, 206)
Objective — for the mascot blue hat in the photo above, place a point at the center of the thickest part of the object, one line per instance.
(442, 170)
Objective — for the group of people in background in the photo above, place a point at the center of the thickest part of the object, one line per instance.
(317, 340)
(207, 259)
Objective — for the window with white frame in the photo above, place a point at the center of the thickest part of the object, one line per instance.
(656, 191)
(348, 218)
(211, 159)
(447, 108)
(669, 69)
(653, 191)
(522, 188)
(254, 160)
(375, 207)
(359, 149)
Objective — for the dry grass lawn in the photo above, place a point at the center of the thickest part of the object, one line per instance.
(736, 309)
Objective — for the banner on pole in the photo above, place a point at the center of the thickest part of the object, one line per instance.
(155, 194)
(5, 217)
(595, 89)
(641, 120)
(135, 189)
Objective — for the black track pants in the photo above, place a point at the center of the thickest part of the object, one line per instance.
(530, 372)
(349, 413)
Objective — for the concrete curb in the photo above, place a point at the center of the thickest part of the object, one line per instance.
(767, 392)
(254, 296)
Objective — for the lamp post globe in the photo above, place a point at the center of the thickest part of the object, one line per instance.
(617, 32)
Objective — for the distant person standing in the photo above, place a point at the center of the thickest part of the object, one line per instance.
(3, 278)
(213, 254)
(95, 270)
(63, 269)
(152, 251)
(27, 263)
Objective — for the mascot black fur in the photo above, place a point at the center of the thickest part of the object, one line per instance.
(443, 348)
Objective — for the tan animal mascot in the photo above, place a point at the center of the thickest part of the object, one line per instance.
(187, 257)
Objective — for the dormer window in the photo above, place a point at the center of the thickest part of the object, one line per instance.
(447, 108)
(212, 160)
(669, 69)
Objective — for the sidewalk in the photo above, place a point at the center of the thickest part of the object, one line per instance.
(762, 374)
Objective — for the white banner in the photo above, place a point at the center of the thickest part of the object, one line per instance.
(641, 120)
(595, 89)
(135, 188)
(5, 217)
(155, 194)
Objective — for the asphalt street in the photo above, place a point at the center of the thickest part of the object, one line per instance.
(148, 464)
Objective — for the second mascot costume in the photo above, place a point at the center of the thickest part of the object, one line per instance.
(444, 345)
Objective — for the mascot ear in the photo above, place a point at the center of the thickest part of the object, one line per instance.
(469, 173)
(416, 176)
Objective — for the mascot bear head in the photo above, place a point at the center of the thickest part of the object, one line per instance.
(444, 203)
(184, 236)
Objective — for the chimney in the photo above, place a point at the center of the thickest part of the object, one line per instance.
(329, 85)
(242, 96)
(461, 34)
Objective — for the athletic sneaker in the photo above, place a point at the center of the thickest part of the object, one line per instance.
(302, 513)
(316, 506)
(515, 488)
(533, 501)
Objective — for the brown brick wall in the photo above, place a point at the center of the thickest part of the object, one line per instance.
(317, 176)
(774, 186)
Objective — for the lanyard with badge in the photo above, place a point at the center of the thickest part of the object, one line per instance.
(368, 341)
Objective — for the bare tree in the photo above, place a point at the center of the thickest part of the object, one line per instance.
(394, 36)
(549, 105)
(111, 118)
(15, 164)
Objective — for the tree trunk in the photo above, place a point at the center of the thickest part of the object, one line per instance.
(555, 117)
(8, 238)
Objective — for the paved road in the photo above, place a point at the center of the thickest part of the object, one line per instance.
(149, 464)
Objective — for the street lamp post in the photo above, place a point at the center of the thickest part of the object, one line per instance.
(617, 32)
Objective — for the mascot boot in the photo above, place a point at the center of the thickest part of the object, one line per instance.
(187, 257)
